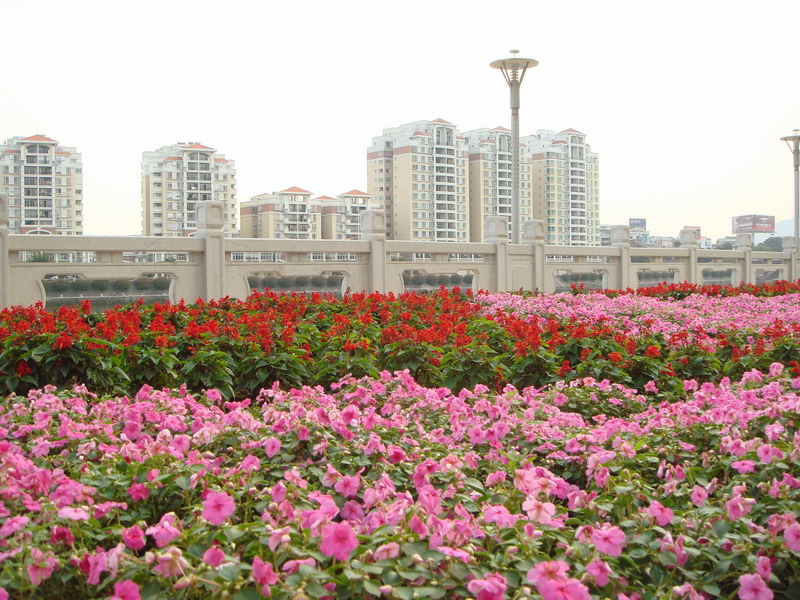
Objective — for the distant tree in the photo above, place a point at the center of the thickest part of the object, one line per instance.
(39, 257)
(724, 246)
(775, 244)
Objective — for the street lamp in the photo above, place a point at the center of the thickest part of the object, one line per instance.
(513, 69)
(793, 141)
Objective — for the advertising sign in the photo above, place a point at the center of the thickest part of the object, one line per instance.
(638, 223)
(754, 224)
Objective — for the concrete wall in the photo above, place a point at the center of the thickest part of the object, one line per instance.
(216, 266)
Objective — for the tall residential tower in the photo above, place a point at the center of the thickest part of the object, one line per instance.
(175, 179)
(566, 187)
(418, 172)
(43, 182)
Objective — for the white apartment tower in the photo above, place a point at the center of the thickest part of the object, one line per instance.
(175, 179)
(341, 216)
(290, 214)
(490, 180)
(565, 180)
(43, 184)
(418, 174)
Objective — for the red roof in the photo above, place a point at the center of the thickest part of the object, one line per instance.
(500, 128)
(10, 151)
(460, 137)
(64, 153)
(220, 160)
(38, 138)
(487, 141)
(441, 121)
(354, 193)
(571, 131)
(421, 133)
(174, 158)
(294, 190)
(559, 142)
(324, 198)
(197, 147)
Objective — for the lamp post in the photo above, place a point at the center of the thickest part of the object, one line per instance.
(513, 69)
(793, 141)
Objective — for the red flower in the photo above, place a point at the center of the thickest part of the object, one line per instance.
(62, 341)
(23, 369)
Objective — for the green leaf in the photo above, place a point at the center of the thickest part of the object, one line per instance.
(248, 594)
(429, 592)
(372, 587)
(315, 590)
(404, 593)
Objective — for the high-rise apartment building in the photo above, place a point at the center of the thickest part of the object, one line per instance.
(43, 184)
(290, 214)
(341, 216)
(490, 180)
(566, 187)
(175, 179)
(419, 173)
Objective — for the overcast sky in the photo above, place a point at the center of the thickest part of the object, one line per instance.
(685, 101)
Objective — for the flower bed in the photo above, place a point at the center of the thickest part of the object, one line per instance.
(444, 339)
(384, 488)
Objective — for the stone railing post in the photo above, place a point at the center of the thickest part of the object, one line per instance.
(210, 221)
(744, 242)
(533, 235)
(688, 239)
(621, 238)
(497, 234)
(790, 246)
(373, 230)
(5, 271)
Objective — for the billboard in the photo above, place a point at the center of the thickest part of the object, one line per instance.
(754, 224)
(638, 223)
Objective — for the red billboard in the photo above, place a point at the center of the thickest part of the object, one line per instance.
(754, 224)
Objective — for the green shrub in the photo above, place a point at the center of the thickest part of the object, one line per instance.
(80, 285)
(98, 285)
(318, 281)
(142, 283)
(162, 284)
(120, 285)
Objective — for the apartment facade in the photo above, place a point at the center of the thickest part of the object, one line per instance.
(490, 160)
(290, 214)
(566, 187)
(341, 216)
(419, 173)
(175, 179)
(43, 184)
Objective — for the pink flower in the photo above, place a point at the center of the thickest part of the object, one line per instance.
(264, 575)
(272, 446)
(600, 571)
(738, 506)
(499, 515)
(3, 594)
(126, 590)
(553, 570)
(165, 531)
(291, 566)
(792, 537)
(461, 555)
(493, 587)
(138, 491)
(744, 466)
(133, 537)
(650, 386)
(171, 563)
(386, 551)
(42, 566)
(752, 587)
(766, 453)
(568, 589)
(278, 492)
(609, 539)
(12, 525)
(214, 395)
(213, 556)
(699, 495)
(61, 534)
(347, 486)
(218, 507)
(764, 567)
(662, 514)
(338, 540)
(73, 514)
(539, 511)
